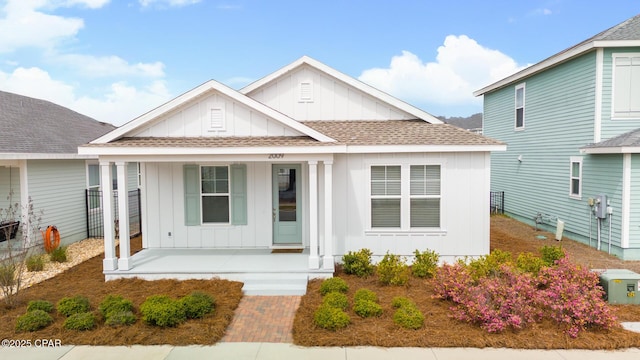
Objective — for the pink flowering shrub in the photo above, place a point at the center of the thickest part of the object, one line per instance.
(510, 298)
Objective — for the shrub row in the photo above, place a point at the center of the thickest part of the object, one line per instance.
(392, 269)
(161, 310)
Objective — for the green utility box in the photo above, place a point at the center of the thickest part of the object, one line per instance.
(621, 286)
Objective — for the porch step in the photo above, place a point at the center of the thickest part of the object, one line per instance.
(275, 284)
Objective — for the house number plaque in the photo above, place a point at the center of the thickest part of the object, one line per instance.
(276, 156)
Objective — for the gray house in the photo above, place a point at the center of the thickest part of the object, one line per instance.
(39, 160)
(571, 123)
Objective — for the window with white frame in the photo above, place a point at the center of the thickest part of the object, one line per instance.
(419, 204)
(215, 194)
(519, 106)
(385, 196)
(626, 86)
(575, 187)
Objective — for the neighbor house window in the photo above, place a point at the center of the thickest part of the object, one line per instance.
(626, 85)
(215, 194)
(520, 106)
(425, 196)
(385, 196)
(575, 189)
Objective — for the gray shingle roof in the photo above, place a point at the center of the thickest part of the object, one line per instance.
(628, 139)
(29, 125)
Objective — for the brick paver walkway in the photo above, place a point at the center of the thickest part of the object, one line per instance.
(263, 319)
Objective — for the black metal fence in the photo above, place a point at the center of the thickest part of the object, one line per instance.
(497, 202)
(95, 224)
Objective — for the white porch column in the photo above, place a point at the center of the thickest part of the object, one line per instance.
(327, 259)
(123, 217)
(110, 261)
(314, 260)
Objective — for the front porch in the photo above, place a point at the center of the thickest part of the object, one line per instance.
(261, 271)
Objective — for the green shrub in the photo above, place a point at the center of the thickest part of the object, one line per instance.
(409, 317)
(114, 303)
(425, 264)
(120, 317)
(161, 310)
(551, 254)
(73, 305)
(337, 300)
(393, 270)
(7, 274)
(333, 284)
(33, 320)
(367, 308)
(44, 305)
(59, 254)
(529, 263)
(197, 304)
(401, 301)
(35, 263)
(489, 265)
(365, 294)
(80, 321)
(331, 318)
(358, 263)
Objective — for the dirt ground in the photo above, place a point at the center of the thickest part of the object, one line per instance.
(440, 330)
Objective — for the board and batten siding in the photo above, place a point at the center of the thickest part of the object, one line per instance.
(559, 119)
(57, 188)
(613, 127)
(331, 99)
(194, 118)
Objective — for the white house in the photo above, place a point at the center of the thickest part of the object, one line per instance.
(306, 158)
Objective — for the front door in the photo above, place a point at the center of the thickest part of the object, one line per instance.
(286, 212)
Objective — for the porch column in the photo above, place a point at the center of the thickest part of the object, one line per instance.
(327, 259)
(123, 217)
(314, 260)
(110, 261)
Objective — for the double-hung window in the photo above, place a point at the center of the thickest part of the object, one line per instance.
(425, 196)
(519, 107)
(626, 86)
(215, 194)
(575, 187)
(385, 196)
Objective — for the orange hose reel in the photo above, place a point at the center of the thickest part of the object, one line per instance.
(51, 238)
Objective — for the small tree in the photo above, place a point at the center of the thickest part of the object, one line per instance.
(15, 251)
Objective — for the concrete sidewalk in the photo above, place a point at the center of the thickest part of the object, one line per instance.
(276, 351)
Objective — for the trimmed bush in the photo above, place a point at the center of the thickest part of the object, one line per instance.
(59, 254)
(73, 305)
(35, 263)
(197, 304)
(336, 300)
(331, 318)
(529, 263)
(44, 305)
(119, 318)
(401, 301)
(80, 321)
(551, 254)
(489, 265)
(33, 320)
(365, 294)
(409, 317)
(333, 284)
(367, 308)
(358, 263)
(161, 310)
(393, 270)
(114, 303)
(425, 264)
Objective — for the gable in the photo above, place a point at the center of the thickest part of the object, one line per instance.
(214, 115)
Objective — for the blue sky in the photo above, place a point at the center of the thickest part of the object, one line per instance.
(114, 60)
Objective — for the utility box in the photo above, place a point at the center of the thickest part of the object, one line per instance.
(621, 286)
(601, 206)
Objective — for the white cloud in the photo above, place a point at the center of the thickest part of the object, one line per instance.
(119, 103)
(461, 67)
(147, 3)
(92, 4)
(105, 66)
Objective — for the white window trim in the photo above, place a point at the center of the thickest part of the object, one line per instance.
(439, 196)
(405, 199)
(613, 85)
(524, 107)
(227, 194)
(572, 160)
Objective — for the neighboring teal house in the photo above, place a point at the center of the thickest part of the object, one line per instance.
(572, 127)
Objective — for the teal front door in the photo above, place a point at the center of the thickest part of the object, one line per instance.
(286, 212)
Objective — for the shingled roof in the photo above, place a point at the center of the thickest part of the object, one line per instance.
(627, 142)
(29, 125)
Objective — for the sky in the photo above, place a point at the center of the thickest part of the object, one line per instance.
(114, 60)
